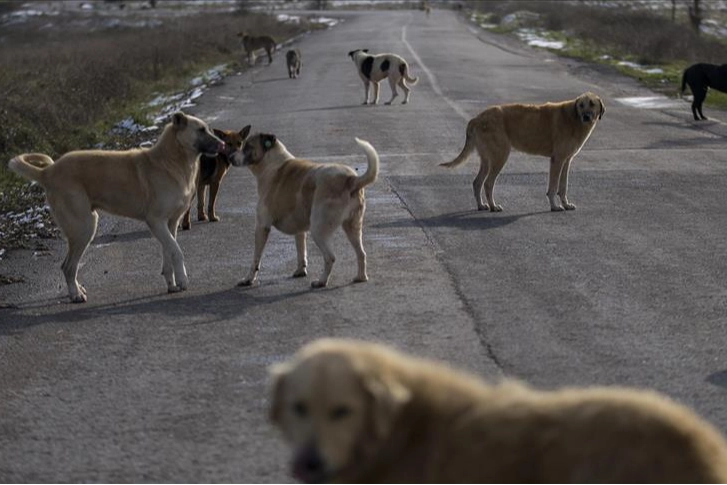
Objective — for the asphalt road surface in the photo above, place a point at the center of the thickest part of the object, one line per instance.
(630, 289)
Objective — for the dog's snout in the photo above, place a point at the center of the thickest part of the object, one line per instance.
(221, 146)
(309, 465)
(587, 117)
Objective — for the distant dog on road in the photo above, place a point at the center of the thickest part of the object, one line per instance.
(211, 172)
(554, 130)
(252, 43)
(297, 196)
(357, 412)
(294, 59)
(374, 68)
(153, 185)
(701, 77)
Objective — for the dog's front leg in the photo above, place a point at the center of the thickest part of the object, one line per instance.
(201, 189)
(556, 168)
(563, 186)
(366, 92)
(262, 231)
(175, 274)
(214, 189)
(302, 255)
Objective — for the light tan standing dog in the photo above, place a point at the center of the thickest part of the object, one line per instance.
(296, 196)
(553, 130)
(357, 412)
(252, 43)
(153, 185)
(374, 68)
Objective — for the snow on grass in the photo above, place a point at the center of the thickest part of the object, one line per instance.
(536, 39)
(639, 67)
(650, 102)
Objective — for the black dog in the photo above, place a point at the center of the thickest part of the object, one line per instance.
(700, 78)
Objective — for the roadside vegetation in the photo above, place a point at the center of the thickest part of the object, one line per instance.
(647, 41)
(65, 84)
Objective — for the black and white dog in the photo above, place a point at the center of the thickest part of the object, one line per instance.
(701, 77)
(374, 68)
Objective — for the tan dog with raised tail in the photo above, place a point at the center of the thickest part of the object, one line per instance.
(296, 196)
(554, 130)
(357, 412)
(153, 185)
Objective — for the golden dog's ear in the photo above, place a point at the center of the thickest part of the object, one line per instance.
(603, 109)
(388, 397)
(277, 374)
(245, 132)
(218, 133)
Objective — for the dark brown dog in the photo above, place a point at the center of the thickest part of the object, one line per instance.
(211, 172)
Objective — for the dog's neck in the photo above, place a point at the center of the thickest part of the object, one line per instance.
(272, 161)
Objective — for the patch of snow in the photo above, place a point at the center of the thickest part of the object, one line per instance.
(536, 39)
(517, 18)
(650, 102)
(324, 20)
(639, 67)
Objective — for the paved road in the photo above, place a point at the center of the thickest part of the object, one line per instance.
(138, 385)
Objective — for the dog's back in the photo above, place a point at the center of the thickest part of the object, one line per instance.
(702, 76)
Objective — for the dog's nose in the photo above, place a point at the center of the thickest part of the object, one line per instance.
(309, 465)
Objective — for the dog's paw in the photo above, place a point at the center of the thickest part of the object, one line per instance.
(484, 207)
(186, 227)
(406, 101)
(556, 208)
(365, 103)
(388, 103)
(214, 218)
(246, 283)
(175, 289)
(496, 208)
(299, 273)
(319, 284)
(201, 217)
(569, 207)
(80, 298)
(361, 279)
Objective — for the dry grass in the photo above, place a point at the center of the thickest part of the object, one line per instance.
(62, 90)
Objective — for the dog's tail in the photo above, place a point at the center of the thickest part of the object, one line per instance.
(404, 71)
(372, 172)
(31, 165)
(469, 146)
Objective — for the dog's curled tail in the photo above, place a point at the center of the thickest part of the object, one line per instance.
(404, 71)
(31, 165)
(373, 171)
(469, 146)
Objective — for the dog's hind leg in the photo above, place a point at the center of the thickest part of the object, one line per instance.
(563, 186)
(352, 228)
(478, 183)
(402, 83)
(394, 93)
(322, 229)
(492, 158)
(173, 270)
(78, 222)
(699, 96)
(300, 247)
(367, 84)
(376, 93)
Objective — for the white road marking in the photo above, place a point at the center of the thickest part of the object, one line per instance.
(432, 79)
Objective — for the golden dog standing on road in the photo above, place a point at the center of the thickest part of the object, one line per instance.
(153, 185)
(297, 195)
(554, 130)
(358, 412)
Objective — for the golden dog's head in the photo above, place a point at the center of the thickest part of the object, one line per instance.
(255, 149)
(194, 134)
(334, 402)
(589, 108)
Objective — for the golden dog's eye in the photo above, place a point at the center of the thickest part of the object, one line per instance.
(340, 412)
(300, 409)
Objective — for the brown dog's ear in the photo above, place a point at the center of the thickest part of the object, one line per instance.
(277, 373)
(365, 50)
(218, 133)
(267, 141)
(603, 109)
(179, 119)
(388, 397)
(245, 132)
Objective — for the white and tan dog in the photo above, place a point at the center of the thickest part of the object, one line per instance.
(153, 185)
(296, 196)
(374, 68)
(357, 412)
(554, 130)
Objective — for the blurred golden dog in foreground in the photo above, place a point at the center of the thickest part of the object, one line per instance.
(362, 412)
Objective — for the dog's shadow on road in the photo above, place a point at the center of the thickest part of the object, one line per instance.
(330, 108)
(208, 308)
(472, 220)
